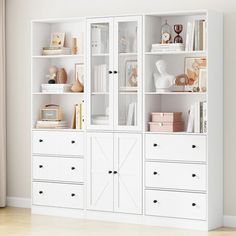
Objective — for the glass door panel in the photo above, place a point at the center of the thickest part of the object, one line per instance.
(128, 85)
(100, 80)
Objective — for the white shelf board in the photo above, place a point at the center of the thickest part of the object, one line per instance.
(128, 93)
(67, 129)
(200, 53)
(100, 93)
(100, 55)
(175, 93)
(56, 56)
(66, 93)
(176, 133)
(127, 54)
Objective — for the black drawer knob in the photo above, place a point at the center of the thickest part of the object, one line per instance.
(40, 140)
(40, 192)
(109, 172)
(110, 72)
(155, 173)
(72, 168)
(72, 141)
(154, 144)
(115, 172)
(194, 204)
(194, 175)
(73, 194)
(154, 201)
(194, 146)
(40, 166)
(115, 72)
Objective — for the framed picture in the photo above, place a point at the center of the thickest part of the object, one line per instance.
(57, 39)
(203, 80)
(79, 72)
(192, 68)
(131, 73)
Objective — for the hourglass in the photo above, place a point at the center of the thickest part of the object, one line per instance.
(178, 29)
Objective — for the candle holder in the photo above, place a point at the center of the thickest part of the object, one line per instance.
(178, 29)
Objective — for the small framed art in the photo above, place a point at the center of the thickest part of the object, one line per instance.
(131, 73)
(57, 39)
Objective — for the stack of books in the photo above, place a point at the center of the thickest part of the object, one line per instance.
(43, 124)
(47, 51)
(196, 36)
(197, 120)
(100, 74)
(78, 117)
(176, 47)
(55, 88)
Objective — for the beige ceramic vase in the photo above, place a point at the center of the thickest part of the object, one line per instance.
(77, 86)
(61, 76)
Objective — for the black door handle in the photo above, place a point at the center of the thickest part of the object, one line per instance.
(154, 144)
(72, 141)
(73, 194)
(194, 204)
(40, 192)
(40, 140)
(115, 172)
(194, 175)
(40, 166)
(109, 172)
(72, 168)
(154, 201)
(155, 173)
(109, 72)
(115, 72)
(193, 146)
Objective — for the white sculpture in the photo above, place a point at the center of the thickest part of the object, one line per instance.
(162, 79)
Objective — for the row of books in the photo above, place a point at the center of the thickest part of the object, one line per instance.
(196, 35)
(197, 120)
(78, 118)
(100, 74)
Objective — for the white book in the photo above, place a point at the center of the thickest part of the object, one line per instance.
(204, 117)
(95, 78)
(83, 114)
(129, 120)
(197, 117)
(191, 45)
(188, 33)
(204, 35)
(135, 114)
(190, 126)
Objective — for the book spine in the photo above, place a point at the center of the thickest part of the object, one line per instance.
(83, 115)
(204, 117)
(201, 117)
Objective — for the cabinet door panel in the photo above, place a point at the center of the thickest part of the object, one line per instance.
(100, 171)
(128, 180)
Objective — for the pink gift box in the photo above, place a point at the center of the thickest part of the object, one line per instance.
(166, 116)
(166, 126)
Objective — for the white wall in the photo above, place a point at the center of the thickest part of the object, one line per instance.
(20, 12)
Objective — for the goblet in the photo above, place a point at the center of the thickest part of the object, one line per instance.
(178, 29)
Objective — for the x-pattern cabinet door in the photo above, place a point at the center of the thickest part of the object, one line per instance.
(128, 180)
(100, 171)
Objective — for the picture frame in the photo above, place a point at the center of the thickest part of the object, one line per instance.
(192, 67)
(203, 79)
(131, 73)
(79, 72)
(57, 39)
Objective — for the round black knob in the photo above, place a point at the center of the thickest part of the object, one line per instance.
(110, 72)
(115, 72)
(194, 204)
(193, 146)
(72, 168)
(40, 166)
(194, 175)
(154, 144)
(73, 194)
(72, 141)
(155, 173)
(154, 201)
(109, 172)
(40, 140)
(115, 172)
(40, 192)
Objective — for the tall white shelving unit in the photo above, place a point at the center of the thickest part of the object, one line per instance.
(115, 168)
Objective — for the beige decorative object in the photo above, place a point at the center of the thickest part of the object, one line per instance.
(61, 76)
(77, 86)
(74, 47)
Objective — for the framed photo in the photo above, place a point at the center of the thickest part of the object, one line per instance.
(192, 68)
(203, 80)
(79, 72)
(131, 73)
(57, 39)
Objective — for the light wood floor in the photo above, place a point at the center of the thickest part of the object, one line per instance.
(20, 222)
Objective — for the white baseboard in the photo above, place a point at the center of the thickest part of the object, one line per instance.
(230, 221)
(19, 202)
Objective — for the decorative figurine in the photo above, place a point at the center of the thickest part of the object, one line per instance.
(162, 79)
(178, 29)
(165, 33)
(52, 74)
(61, 76)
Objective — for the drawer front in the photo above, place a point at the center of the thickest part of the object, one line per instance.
(175, 175)
(58, 195)
(58, 143)
(58, 169)
(176, 204)
(175, 147)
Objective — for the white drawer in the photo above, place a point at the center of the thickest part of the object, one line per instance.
(58, 169)
(175, 147)
(175, 175)
(176, 204)
(58, 143)
(58, 195)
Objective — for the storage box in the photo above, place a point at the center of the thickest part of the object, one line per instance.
(166, 116)
(166, 126)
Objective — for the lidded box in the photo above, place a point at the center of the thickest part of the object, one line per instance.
(166, 117)
(166, 126)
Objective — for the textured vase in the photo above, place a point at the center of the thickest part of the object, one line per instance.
(77, 86)
(61, 76)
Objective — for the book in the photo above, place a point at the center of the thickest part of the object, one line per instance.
(204, 119)
(51, 124)
(190, 126)
(130, 114)
(77, 117)
(197, 117)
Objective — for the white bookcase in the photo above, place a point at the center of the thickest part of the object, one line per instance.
(115, 168)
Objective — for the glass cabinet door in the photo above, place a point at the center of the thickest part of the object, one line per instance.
(127, 73)
(99, 73)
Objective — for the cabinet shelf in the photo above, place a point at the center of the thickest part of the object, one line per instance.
(100, 93)
(62, 130)
(127, 54)
(57, 56)
(175, 93)
(197, 53)
(66, 93)
(100, 55)
(177, 133)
